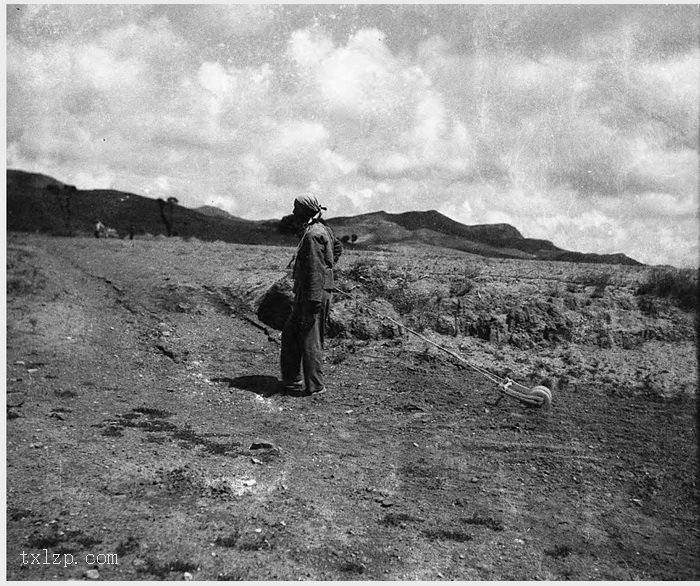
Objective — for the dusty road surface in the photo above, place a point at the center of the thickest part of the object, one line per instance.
(147, 438)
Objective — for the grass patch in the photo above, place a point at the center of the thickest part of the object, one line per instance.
(18, 514)
(597, 279)
(228, 540)
(113, 430)
(680, 286)
(22, 277)
(44, 540)
(257, 542)
(559, 551)
(447, 535)
(392, 285)
(231, 577)
(126, 547)
(460, 286)
(161, 570)
(351, 567)
(18, 285)
(151, 412)
(490, 522)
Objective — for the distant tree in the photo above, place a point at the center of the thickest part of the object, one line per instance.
(165, 216)
(171, 204)
(353, 238)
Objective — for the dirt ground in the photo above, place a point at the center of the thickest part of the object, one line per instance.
(145, 427)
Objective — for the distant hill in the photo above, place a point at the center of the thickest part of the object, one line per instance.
(215, 212)
(38, 203)
(432, 227)
(18, 180)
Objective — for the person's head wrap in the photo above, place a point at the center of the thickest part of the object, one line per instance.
(307, 205)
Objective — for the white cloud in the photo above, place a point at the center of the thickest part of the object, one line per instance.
(214, 79)
(296, 135)
(308, 48)
(392, 163)
(163, 183)
(674, 171)
(253, 171)
(334, 164)
(431, 121)
(292, 151)
(358, 197)
(219, 85)
(652, 205)
(678, 75)
(358, 79)
(384, 188)
(97, 67)
(362, 79)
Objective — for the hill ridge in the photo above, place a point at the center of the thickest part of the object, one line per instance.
(37, 202)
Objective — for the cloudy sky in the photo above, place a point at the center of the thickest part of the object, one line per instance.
(577, 124)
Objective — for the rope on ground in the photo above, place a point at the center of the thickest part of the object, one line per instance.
(538, 396)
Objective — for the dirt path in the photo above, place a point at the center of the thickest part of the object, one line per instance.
(143, 421)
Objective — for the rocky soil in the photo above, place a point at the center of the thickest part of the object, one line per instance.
(144, 420)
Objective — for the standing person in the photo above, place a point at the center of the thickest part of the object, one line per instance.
(99, 228)
(303, 333)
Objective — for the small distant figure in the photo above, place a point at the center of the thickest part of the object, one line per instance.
(132, 231)
(100, 229)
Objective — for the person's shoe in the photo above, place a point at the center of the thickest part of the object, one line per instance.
(319, 392)
(293, 388)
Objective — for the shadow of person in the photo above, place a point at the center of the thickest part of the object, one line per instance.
(265, 386)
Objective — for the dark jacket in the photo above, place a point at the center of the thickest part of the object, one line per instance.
(317, 254)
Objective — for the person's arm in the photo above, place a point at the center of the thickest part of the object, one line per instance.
(312, 256)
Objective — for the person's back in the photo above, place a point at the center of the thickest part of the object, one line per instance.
(302, 336)
(313, 269)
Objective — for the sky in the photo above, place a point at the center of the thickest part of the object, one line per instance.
(574, 123)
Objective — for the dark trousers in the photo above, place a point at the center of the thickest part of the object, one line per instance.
(302, 345)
